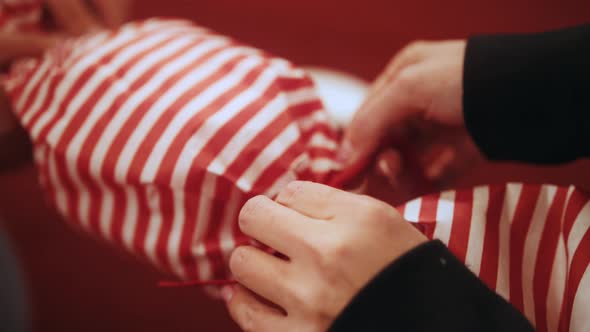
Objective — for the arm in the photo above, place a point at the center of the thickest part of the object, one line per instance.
(113, 12)
(526, 97)
(15, 45)
(428, 289)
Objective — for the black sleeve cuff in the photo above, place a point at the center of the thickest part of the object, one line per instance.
(526, 97)
(428, 289)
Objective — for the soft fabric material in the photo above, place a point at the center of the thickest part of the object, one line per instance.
(153, 136)
(526, 96)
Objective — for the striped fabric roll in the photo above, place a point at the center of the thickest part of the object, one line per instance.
(529, 243)
(153, 136)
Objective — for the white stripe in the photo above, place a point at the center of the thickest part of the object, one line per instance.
(581, 225)
(412, 210)
(203, 222)
(320, 140)
(154, 223)
(557, 281)
(444, 216)
(246, 133)
(206, 130)
(481, 198)
(40, 72)
(270, 153)
(301, 96)
(131, 218)
(152, 115)
(67, 82)
(531, 248)
(102, 105)
(511, 199)
(212, 125)
(148, 89)
(230, 217)
(556, 287)
(580, 321)
(102, 74)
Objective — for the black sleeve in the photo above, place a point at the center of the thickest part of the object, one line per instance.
(527, 97)
(428, 289)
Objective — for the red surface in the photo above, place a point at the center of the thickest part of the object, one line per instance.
(79, 284)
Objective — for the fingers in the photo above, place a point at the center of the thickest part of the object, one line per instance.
(275, 225)
(389, 102)
(74, 16)
(113, 12)
(250, 313)
(314, 200)
(261, 272)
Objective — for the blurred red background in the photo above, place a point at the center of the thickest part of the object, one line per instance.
(79, 284)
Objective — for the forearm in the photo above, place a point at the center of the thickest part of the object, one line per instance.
(16, 45)
(113, 13)
(428, 289)
(526, 97)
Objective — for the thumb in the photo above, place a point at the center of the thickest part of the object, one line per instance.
(372, 124)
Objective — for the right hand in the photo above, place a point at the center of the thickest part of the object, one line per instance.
(415, 109)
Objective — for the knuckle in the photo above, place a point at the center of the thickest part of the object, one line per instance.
(247, 319)
(406, 80)
(252, 208)
(417, 45)
(237, 261)
(378, 211)
(291, 192)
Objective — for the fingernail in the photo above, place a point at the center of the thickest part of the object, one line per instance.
(227, 292)
(345, 152)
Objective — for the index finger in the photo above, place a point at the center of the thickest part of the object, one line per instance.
(275, 225)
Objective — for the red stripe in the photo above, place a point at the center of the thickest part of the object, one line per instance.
(428, 212)
(90, 142)
(546, 257)
(34, 92)
(518, 234)
(215, 146)
(83, 160)
(289, 84)
(74, 125)
(462, 212)
(575, 205)
(119, 142)
(79, 84)
(489, 261)
(169, 161)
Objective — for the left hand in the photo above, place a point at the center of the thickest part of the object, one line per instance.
(334, 242)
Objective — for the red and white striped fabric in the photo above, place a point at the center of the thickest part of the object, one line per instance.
(153, 137)
(529, 243)
(20, 15)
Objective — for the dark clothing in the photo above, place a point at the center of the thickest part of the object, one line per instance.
(526, 98)
(428, 289)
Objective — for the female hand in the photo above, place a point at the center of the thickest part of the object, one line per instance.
(334, 243)
(416, 105)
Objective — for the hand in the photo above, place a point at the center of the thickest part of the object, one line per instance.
(416, 105)
(78, 17)
(333, 242)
